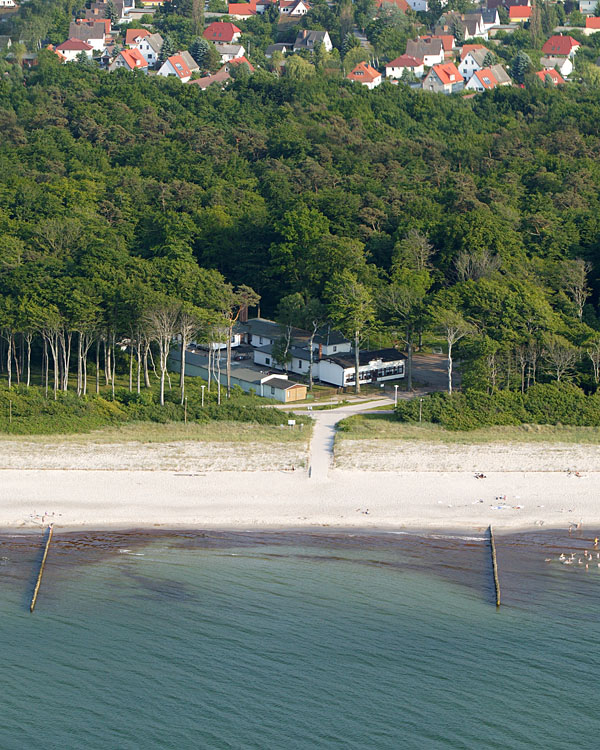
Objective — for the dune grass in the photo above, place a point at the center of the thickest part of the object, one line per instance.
(383, 427)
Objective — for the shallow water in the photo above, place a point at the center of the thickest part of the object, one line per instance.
(298, 641)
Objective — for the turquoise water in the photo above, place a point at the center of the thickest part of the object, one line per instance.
(284, 641)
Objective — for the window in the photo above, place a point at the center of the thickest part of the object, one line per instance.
(267, 360)
(260, 340)
(272, 391)
(335, 348)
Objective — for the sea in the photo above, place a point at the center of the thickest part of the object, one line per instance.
(299, 640)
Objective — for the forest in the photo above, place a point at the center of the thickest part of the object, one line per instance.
(408, 218)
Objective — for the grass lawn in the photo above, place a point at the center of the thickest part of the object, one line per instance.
(382, 427)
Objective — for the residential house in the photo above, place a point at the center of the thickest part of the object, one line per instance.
(99, 10)
(395, 68)
(222, 31)
(592, 25)
(236, 62)
(230, 51)
(564, 65)
(550, 76)
(494, 4)
(283, 47)
(466, 48)
(150, 46)
(8, 4)
(374, 366)
(134, 36)
(93, 32)
(365, 74)
(471, 24)
(423, 5)
(448, 43)
(263, 5)
(310, 40)
(561, 46)
(259, 332)
(488, 78)
(444, 78)
(400, 4)
(490, 17)
(519, 13)
(587, 7)
(294, 8)
(242, 11)
(472, 62)
(130, 59)
(72, 48)
(181, 65)
(430, 50)
(221, 77)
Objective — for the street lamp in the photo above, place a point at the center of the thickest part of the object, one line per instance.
(203, 387)
(420, 409)
(395, 396)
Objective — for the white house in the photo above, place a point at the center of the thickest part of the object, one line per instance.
(149, 45)
(230, 51)
(587, 7)
(365, 74)
(395, 68)
(374, 366)
(294, 8)
(181, 65)
(472, 62)
(444, 79)
(430, 50)
(260, 332)
(310, 40)
(423, 5)
(488, 78)
(8, 4)
(564, 65)
(72, 48)
(130, 59)
(93, 32)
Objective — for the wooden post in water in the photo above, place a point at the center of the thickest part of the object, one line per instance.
(495, 566)
(41, 570)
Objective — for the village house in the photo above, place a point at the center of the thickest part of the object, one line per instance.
(181, 65)
(471, 24)
(396, 68)
(93, 32)
(72, 48)
(444, 78)
(130, 59)
(448, 43)
(400, 4)
(260, 332)
(236, 63)
(219, 78)
(365, 74)
(564, 65)
(519, 13)
(100, 10)
(592, 25)
(294, 8)
(241, 11)
(222, 31)
(472, 62)
(150, 46)
(550, 76)
(561, 46)
(8, 4)
(587, 7)
(488, 78)
(310, 40)
(230, 51)
(430, 50)
(466, 48)
(423, 5)
(490, 17)
(283, 47)
(374, 367)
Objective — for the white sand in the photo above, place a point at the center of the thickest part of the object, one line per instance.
(131, 499)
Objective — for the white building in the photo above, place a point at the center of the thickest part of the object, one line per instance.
(472, 62)
(374, 367)
(72, 48)
(8, 4)
(150, 47)
(395, 68)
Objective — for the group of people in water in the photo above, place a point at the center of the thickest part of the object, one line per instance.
(573, 558)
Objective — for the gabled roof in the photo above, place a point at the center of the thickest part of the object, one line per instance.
(592, 22)
(242, 9)
(400, 4)
(554, 75)
(180, 66)
(132, 34)
(364, 72)
(134, 59)
(447, 73)
(189, 60)
(221, 31)
(466, 48)
(57, 53)
(85, 30)
(478, 55)
(74, 45)
(486, 78)
(404, 61)
(552, 62)
(560, 45)
(519, 11)
(241, 61)
(203, 83)
(310, 39)
(424, 46)
(447, 41)
(501, 75)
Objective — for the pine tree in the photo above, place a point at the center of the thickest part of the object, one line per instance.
(489, 59)
(199, 50)
(168, 49)
(111, 12)
(520, 66)
(458, 31)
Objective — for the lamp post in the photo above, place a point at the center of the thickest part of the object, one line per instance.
(395, 396)
(420, 409)
(203, 387)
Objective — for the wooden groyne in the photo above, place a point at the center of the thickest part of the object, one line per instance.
(41, 570)
(495, 566)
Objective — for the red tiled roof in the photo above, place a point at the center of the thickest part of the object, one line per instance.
(240, 61)
(221, 31)
(74, 45)
(242, 9)
(180, 67)
(554, 75)
(592, 22)
(401, 4)
(448, 73)
(486, 78)
(132, 34)
(207, 81)
(560, 45)
(519, 11)
(404, 61)
(447, 41)
(57, 53)
(134, 59)
(466, 48)
(364, 72)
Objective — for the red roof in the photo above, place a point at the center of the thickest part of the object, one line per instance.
(592, 22)
(242, 9)
(486, 78)
(57, 53)
(134, 59)
(447, 41)
(519, 11)
(221, 31)
(466, 48)
(560, 45)
(132, 34)
(448, 73)
(401, 4)
(74, 45)
(405, 61)
(554, 75)
(364, 72)
(240, 61)
(180, 67)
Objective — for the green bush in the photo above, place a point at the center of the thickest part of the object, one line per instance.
(549, 403)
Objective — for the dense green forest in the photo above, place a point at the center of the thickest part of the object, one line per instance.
(408, 215)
